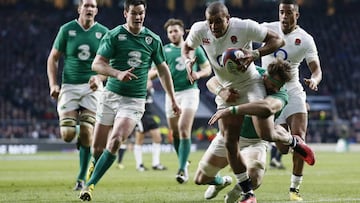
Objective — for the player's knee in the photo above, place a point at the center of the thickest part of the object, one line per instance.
(68, 129)
(87, 122)
(256, 170)
(207, 170)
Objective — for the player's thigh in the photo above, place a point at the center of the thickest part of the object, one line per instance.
(139, 137)
(155, 135)
(186, 99)
(69, 97)
(186, 120)
(173, 125)
(123, 127)
(101, 133)
(298, 124)
(90, 100)
(254, 151)
(297, 107)
(214, 158)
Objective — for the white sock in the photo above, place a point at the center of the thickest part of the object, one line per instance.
(123, 146)
(138, 155)
(156, 148)
(296, 181)
(242, 177)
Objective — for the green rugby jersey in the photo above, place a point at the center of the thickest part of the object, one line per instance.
(126, 50)
(79, 47)
(248, 129)
(177, 66)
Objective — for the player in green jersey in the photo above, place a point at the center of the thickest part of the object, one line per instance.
(186, 93)
(125, 55)
(253, 149)
(77, 41)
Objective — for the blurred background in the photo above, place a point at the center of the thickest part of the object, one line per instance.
(28, 28)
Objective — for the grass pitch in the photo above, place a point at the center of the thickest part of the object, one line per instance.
(49, 177)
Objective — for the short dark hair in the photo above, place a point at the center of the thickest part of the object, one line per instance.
(293, 2)
(217, 7)
(81, 2)
(128, 3)
(288, 2)
(281, 68)
(173, 21)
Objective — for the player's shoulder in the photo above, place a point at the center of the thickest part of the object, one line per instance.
(272, 25)
(199, 26)
(239, 23)
(149, 33)
(101, 27)
(69, 25)
(303, 32)
(281, 95)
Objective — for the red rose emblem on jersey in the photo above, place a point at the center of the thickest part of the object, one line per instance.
(297, 41)
(233, 39)
(206, 41)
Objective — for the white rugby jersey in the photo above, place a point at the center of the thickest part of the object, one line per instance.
(299, 45)
(240, 33)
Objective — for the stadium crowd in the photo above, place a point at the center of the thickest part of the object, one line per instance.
(28, 29)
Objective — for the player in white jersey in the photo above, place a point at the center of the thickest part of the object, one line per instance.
(215, 35)
(299, 45)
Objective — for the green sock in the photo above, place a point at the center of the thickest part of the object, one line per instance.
(84, 155)
(176, 143)
(102, 165)
(184, 151)
(217, 181)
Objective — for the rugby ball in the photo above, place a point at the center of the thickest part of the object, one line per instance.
(232, 58)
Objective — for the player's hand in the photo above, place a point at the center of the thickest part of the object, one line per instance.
(311, 83)
(219, 114)
(126, 75)
(54, 91)
(192, 76)
(95, 82)
(229, 95)
(176, 109)
(246, 60)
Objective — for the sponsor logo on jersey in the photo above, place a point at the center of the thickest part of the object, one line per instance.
(122, 37)
(98, 35)
(297, 41)
(148, 40)
(72, 33)
(233, 39)
(206, 41)
(167, 49)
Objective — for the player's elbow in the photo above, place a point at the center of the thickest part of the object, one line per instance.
(266, 109)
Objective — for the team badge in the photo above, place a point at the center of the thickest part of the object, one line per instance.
(148, 40)
(297, 41)
(98, 35)
(206, 41)
(233, 39)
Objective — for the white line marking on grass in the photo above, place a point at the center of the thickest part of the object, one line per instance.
(336, 200)
(38, 157)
